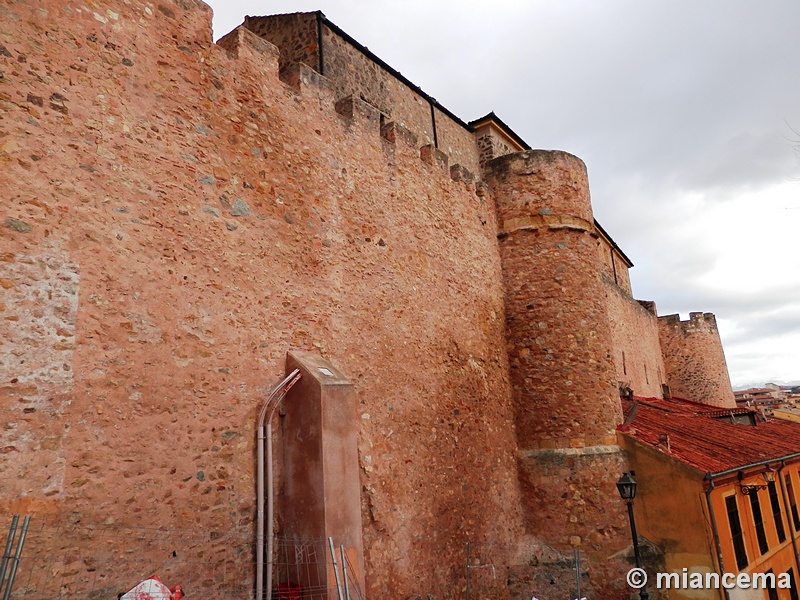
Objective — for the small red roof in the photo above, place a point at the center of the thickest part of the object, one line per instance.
(702, 437)
(756, 391)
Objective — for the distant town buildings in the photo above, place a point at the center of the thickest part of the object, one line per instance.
(768, 397)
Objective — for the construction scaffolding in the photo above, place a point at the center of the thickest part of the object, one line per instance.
(65, 561)
(480, 573)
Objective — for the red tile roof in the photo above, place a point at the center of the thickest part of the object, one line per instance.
(700, 439)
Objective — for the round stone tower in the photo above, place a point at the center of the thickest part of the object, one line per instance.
(559, 342)
(559, 337)
(694, 359)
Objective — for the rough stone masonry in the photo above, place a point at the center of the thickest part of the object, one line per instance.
(176, 217)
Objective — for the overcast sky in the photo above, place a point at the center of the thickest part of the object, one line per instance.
(683, 112)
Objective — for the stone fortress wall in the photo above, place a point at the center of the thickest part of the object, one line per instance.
(181, 213)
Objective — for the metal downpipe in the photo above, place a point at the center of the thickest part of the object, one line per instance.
(12, 534)
(15, 561)
(272, 402)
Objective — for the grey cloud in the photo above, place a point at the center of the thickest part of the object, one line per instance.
(768, 326)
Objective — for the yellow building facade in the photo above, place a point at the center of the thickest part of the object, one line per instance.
(718, 495)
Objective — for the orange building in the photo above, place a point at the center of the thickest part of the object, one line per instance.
(718, 493)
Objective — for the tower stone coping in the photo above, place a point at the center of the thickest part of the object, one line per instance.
(527, 162)
(585, 451)
(702, 316)
(545, 222)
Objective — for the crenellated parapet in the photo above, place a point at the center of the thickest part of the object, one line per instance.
(694, 359)
(243, 44)
(353, 70)
(254, 52)
(697, 321)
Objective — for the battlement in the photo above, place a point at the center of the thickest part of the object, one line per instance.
(697, 320)
(242, 44)
(257, 54)
(649, 306)
(354, 70)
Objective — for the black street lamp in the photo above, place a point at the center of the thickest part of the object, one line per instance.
(768, 475)
(627, 490)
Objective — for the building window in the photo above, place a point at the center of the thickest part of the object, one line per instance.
(772, 593)
(792, 502)
(776, 512)
(736, 532)
(793, 589)
(758, 519)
